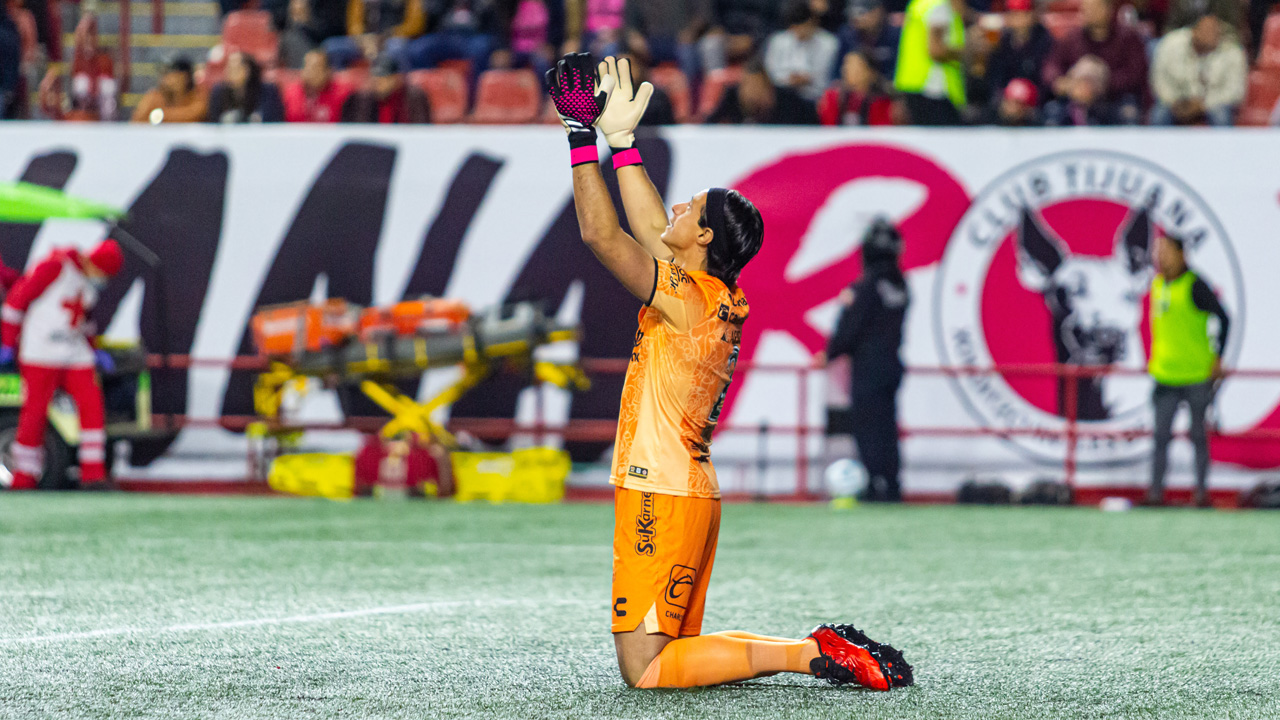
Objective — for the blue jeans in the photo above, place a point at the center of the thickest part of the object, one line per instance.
(1221, 116)
(663, 49)
(345, 50)
(430, 50)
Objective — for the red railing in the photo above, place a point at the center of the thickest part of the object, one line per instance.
(604, 430)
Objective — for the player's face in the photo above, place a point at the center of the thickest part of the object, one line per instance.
(684, 229)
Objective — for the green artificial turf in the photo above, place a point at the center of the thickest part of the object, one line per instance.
(185, 607)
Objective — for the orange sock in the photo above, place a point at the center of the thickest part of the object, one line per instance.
(726, 657)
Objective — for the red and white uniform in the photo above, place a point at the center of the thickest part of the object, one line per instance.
(46, 316)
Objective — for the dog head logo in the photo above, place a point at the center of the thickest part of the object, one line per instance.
(1051, 264)
(1095, 302)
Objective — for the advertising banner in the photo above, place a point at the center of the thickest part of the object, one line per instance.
(1021, 248)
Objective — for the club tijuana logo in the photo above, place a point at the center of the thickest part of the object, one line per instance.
(1051, 264)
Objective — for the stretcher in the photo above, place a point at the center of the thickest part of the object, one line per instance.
(373, 362)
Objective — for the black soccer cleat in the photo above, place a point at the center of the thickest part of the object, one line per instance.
(847, 655)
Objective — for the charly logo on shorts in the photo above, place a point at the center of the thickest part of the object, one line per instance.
(1051, 264)
(680, 586)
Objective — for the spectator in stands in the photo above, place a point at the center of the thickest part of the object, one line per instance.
(1024, 46)
(377, 26)
(1259, 11)
(175, 99)
(1085, 102)
(1185, 13)
(830, 16)
(302, 34)
(978, 91)
(94, 89)
(330, 17)
(315, 97)
(10, 64)
(1118, 46)
(802, 57)
(1019, 104)
(860, 98)
(1198, 75)
(535, 34)
(664, 31)
(48, 27)
(869, 31)
(458, 30)
(738, 29)
(388, 99)
(243, 96)
(930, 74)
(755, 100)
(594, 26)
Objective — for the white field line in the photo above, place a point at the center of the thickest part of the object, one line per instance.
(260, 622)
(600, 547)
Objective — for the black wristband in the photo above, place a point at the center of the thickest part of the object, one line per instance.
(582, 138)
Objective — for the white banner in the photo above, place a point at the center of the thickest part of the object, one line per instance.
(246, 216)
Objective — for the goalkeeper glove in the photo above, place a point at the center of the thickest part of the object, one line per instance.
(626, 104)
(579, 95)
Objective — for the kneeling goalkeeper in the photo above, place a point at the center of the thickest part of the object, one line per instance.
(667, 508)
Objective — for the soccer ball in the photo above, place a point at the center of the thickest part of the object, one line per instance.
(844, 478)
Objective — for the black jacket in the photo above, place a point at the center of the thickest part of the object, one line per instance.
(1008, 61)
(870, 330)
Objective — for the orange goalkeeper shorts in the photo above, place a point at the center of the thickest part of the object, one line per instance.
(663, 550)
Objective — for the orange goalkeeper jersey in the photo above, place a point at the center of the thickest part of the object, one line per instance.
(681, 364)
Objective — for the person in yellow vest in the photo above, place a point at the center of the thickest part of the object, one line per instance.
(1186, 359)
(930, 72)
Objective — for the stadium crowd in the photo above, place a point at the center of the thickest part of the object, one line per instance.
(791, 62)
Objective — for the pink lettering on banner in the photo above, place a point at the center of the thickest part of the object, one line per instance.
(789, 194)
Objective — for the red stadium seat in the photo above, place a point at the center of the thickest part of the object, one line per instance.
(1269, 44)
(1261, 97)
(673, 81)
(446, 89)
(1061, 24)
(250, 31)
(353, 78)
(713, 87)
(1062, 6)
(508, 97)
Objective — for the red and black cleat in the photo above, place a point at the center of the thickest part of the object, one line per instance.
(849, 656)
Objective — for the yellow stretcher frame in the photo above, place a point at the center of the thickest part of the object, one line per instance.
(408, 414)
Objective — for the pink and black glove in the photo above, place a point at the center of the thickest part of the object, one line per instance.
(580, 95)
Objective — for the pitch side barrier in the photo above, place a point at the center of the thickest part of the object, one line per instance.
(1072, 433)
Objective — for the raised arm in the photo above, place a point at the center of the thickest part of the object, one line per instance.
(646, 213)
(632, 264)
(580, 94)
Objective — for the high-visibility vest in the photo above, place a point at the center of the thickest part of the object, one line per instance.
(914, 63)
(1182, 352)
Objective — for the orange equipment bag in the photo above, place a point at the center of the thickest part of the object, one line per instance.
(411, 317)
(294, 327)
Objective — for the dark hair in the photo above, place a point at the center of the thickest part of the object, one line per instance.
(744, 234)
(184, 66)
(248, 99)
(797, 12)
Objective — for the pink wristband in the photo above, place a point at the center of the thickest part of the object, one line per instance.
(584, 154)
(627, 157)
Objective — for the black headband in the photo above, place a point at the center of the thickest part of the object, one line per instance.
(715, 213)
